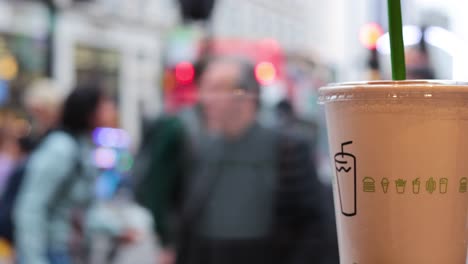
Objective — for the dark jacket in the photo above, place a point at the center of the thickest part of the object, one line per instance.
(298, 215)
(301, 217)
(7, 202)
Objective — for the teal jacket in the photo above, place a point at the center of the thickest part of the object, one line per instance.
(59, 178)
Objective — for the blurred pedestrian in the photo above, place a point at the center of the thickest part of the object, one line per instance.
(9, 152)
(59, 179)
(120, 230)
(220, 173)
(418, 61)
(307, 131)
(289, 121)
(43, 102)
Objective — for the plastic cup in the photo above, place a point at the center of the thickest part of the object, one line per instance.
(410, 137)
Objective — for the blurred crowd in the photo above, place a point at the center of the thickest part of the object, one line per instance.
(211, 183)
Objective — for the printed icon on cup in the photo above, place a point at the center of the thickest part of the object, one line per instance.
(368, 184)
(443, 182)
(385, 183)
(416, 186)
(463, 185)
(431, 185)
(400, 186)
(345, 169)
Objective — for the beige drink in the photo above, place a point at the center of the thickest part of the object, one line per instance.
(410, 148)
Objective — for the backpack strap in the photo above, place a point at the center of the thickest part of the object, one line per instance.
(69, 181)
(195, 203)
(78, 248)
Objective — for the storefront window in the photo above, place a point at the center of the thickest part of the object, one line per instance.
(22, 60)
(98, 66)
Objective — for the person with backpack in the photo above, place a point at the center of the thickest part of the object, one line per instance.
(59, 180)
(222, 188)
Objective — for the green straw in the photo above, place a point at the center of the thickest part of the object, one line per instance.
(397, 46)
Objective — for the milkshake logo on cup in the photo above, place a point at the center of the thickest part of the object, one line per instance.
(345, 166)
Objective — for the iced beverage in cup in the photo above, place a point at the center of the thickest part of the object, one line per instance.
(400, 152)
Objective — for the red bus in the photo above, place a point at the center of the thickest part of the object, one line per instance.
(180, 88)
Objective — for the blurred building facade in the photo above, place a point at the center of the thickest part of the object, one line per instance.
(22, 47)
(327, 30)
(128, 35)
(115, 43)
(286, 22)
(121, 43)
(439, 25)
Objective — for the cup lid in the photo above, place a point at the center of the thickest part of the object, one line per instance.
(394, 90)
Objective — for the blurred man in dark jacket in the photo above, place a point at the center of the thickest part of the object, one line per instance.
(307, 131)
(241, 193)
